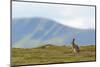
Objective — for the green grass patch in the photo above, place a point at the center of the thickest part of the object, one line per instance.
(51, 54)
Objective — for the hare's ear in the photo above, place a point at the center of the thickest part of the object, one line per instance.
(73, 39)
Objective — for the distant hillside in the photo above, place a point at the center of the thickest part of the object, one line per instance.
(34, 32)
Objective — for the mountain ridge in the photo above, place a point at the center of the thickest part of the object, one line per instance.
(43, 30)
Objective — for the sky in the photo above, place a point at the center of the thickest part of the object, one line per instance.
(82, 17)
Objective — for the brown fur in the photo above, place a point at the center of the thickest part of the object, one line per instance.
(75, 47)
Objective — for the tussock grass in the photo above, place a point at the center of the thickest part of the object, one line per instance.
(51, 54)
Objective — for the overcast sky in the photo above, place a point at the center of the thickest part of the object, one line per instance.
(82, 17)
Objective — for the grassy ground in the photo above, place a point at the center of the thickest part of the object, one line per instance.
(51, 54)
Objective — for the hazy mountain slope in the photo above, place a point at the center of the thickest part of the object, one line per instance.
(33, 32)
